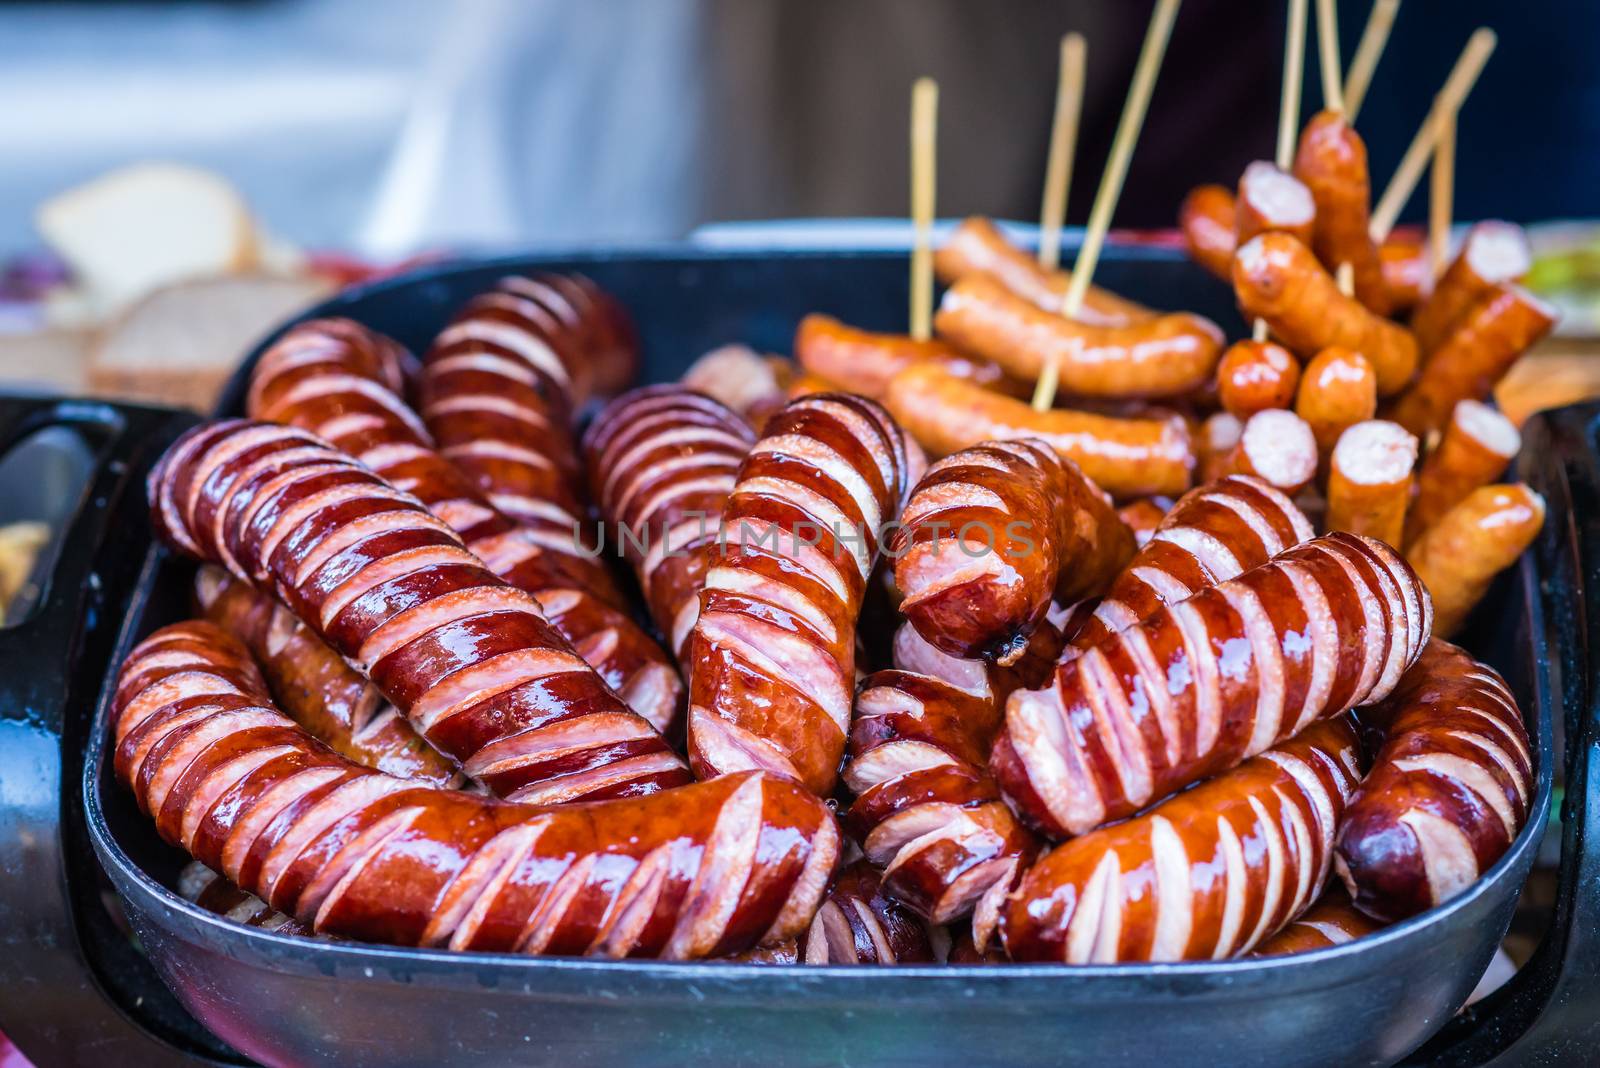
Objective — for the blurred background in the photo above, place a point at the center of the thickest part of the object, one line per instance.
(332, 138)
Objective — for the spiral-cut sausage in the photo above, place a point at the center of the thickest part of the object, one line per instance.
(1213, 533)
(1331, 921)
(499, 387)
(1202, 876)
(1448, 793)
(990, 535)
(706, 870)
(662, 461)
(772, 656)
(470, 660)
(316, 687)
(1209, 681)
(858, 923)
(316, 378)
(213, 893)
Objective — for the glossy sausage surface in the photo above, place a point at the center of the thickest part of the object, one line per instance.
(1332, 162)
(991, 535)
(1331, 921)
(1162, 357)
(1448, 792)
(470, 660)
(1207, 682)
(1212, 534)
(860, 361)
(1492, 254)
(1208, 220)
(772, 655)
(1126, 457)
(706, 870)
(1205, 875)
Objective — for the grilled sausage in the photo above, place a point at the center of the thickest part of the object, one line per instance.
(1477, 445)
(1332, 162)
(1271, 199)
(1254, 376)
(1162, 357)
(1214, 532)
(315, 378)
(976, 247)
(1321, 628)
(1143, 515)
(1205, 875)
(316, 687)
(1473, 542)
(1208, 220)
(772, 655)
(991, 535)
(469, 659)
(213, 893)
(1276, 278)
(1331, 921)
(926, 809)
(859, 361)
(662, 461)
(1124, 457)
(1448, 792)
(1487, 339)
(705, 870)
(1493, 254)
(499, 386)
(858, 923)
(1338, 390)
(1407, 273)
(1278, 447)
(1369, 480)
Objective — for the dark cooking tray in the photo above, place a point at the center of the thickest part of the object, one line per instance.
(283, 1000)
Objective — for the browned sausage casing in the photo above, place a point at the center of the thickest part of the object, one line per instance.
(859, 361)
(315, 378)
(1494, 253)
(1322, 627)
(662, 461)
(978, 247)
(1331, 921)
(1208, 220)
(705, 870)
(858, 923)
(1162, 357)
(991, 535)
(1332, 161)
(319, 690)
(772, 655)
(1214, 532)
(1271, 199)
(1276, 278)
(1448, 793)
(1205, 875)
(1124, 457)
(470, 659)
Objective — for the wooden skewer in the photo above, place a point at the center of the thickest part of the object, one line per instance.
(1456, 87)
(1294, 61)
(1441, 192)
(1063, 149)
(1328, 52)
(1105, 198)
(924, 126)
(1376, 34)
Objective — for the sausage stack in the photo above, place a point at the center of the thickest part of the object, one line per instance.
(1136, 706)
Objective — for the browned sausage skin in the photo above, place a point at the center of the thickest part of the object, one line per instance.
(1332, 162)
(1331, 921)
(316, 687)
(772, 655)
(1212, 534)
(1493, 254)
(1208, 220)
(470, 660)
(976, 247)
(991, 535)
(1271, 199)
(1205, 875)
(316, 378)
(1448, 793)
(1161, 357)
(859, 361)
(662, 461)
(1318, 629)
(1124, 457)
(705, 870)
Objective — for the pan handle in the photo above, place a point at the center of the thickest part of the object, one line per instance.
(53, 1004)
(1545, 1014)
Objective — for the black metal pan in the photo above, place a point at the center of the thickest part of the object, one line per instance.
(287, 1001)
